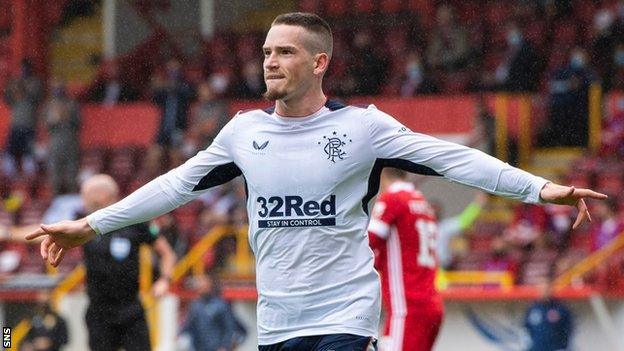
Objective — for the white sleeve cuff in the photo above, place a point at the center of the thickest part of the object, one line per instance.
(92, 222)
(379, 228)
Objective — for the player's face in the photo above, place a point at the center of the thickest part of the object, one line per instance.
(288, 65)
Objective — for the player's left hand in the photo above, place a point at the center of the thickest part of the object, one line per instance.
(161, 287)
(571, 196)
(60, 237)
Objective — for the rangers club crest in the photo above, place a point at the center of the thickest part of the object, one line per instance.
(333, 146)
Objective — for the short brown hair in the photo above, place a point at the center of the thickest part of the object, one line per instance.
(314, 24)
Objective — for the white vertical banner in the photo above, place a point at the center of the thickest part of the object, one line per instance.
(109, 7)
(168, 309)
(207, 18)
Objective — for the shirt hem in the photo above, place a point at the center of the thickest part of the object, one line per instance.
(312, 332)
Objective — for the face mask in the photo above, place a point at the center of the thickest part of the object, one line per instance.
(174, 73)
(414, 71)
(514, 38)
(577, 61)
(619, 58)
(58, 92)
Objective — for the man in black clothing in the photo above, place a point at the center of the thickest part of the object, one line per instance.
(48, 330)
(115, 316)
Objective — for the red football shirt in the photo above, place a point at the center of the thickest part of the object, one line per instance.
(403, 235)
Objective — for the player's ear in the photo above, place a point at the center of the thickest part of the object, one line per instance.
(321, 62)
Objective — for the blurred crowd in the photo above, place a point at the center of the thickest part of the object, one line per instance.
(391, 48)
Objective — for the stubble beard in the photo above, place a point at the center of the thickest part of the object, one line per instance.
(274, 94)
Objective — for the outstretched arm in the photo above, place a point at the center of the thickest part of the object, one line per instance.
(208, 168)
(399, 147)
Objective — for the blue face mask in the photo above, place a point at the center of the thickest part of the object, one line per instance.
(619, 58)
(577, 61)
(514, 38)
(414, 71)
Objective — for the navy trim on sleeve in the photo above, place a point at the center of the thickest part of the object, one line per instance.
(218, 175)
(375, 176)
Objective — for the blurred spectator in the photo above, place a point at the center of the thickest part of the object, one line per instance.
(559, 225)
(483, 134)
(606, 224)
(48, 331)
(62, 118)
(221, 80)
(530, 222)
(567, 123)
(451, 227)
(602, 45)
(415, 78)
(167, 226)
(448, 49)
(23, 95)
(110, 90)
(173, 95)
(521, 66)
(616, 72)
(12, 254)
(368, 67)
(209, 115)
(210, 321)
(548, 322)
(613, 132)
(251, 84)
(11, 200)
(500, 260)
(63, 207)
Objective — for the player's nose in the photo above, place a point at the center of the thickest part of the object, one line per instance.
(271, 62)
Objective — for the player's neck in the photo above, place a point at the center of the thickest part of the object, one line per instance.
(301, 106)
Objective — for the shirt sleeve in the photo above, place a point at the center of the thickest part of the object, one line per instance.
(385, 213)
(210, 167)
(399, 147)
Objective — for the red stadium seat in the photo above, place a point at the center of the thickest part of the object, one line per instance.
(313, 6)
(335, 8)
(497, 12)
(390, 6)
(363, 6)
(425, 8)
(565, 33)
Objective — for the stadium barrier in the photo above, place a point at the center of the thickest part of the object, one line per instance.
(590, 262)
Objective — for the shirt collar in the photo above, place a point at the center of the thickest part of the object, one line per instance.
(400, 185)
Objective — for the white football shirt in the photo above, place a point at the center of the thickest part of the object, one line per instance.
(311, 182)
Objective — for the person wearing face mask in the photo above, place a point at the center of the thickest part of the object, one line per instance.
(520, 69)
(48, 331)
(210, 323)
(62, 118)
(23, 95)
(617, 77)
(569, 93)
(173, 95)
(415, 80)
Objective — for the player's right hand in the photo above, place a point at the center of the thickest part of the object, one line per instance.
(60, 237)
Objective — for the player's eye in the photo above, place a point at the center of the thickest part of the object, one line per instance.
(286, 51)
(267, 53)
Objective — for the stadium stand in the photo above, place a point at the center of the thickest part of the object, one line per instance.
(111, 144)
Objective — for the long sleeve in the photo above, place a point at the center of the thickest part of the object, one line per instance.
(210, 167)
(402, 148)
